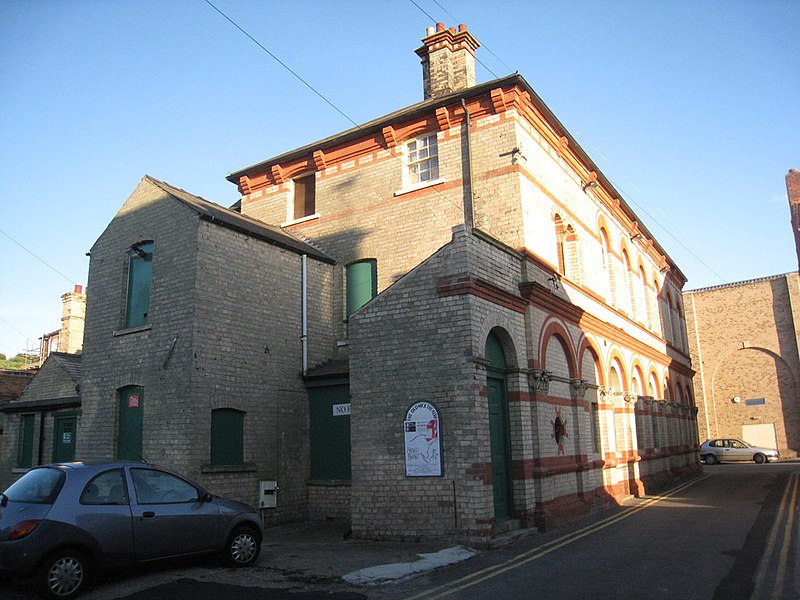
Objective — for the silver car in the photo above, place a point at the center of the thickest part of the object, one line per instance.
(60, 522)
(730, 449)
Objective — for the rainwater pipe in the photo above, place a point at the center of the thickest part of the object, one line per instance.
(304, 310)
(468, 197)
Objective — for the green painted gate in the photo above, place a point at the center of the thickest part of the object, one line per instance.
(131, 423)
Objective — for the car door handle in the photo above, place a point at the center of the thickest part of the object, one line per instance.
(148, 514)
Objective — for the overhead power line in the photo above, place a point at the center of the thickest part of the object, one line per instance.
(39, 258)
(281, 63)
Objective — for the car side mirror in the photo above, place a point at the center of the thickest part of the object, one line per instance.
(207, 497)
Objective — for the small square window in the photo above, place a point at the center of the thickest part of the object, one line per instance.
(423, 159)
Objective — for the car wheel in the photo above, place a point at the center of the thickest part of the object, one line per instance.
(760, 459)
(242, 548)
(710, 459)
(63, 574)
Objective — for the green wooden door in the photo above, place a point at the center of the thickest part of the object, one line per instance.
(64, 438)
(499, 430)
(498, 433)
(329, 416)
(131, 422)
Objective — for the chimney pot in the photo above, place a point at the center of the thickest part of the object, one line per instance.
(440, 27)
(462, 27)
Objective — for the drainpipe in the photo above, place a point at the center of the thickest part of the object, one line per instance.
(304, 310)
(41, 438)
(468, 197)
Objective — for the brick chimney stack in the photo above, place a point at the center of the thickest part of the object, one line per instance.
(73, 317)
(793, 190)
(448, 60)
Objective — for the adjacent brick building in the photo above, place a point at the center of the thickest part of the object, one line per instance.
(744, 341)
(442, 323)
(42, 421)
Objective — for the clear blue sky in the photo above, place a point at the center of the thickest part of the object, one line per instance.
(691, 108)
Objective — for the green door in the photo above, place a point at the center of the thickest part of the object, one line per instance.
(498, 430)
(131, 421)
(64, 438)
(329, 418)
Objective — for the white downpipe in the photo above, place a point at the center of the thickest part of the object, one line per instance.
(304, 310)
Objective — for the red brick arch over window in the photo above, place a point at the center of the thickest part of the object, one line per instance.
(588, 348)
(555, 329)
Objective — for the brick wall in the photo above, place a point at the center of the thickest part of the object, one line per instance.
(224, 332)
(743, 338)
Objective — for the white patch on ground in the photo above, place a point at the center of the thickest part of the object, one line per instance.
(393, 572)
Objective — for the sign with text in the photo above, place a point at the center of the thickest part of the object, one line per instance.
(341, 410)
(422, 441)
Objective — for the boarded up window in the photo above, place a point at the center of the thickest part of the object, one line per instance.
(227, 437)
(304, 197)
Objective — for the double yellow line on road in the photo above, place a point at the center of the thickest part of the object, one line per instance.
(769, 583)
(521, 559)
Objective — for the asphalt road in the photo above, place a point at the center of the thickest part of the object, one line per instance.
(729, 534)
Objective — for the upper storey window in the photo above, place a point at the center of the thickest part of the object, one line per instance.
(305, 197)
(423, 159)
(140, 275)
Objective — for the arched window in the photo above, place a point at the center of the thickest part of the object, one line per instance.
(605, 249)
(362, 283)
(630, 303)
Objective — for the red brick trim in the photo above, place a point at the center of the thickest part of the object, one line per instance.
(482, 289)
(443, 118)
(319, 160)
(498, 100)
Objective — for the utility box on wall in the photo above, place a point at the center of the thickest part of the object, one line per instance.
(267, 494)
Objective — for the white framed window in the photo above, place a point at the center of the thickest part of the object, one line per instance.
(422, 159)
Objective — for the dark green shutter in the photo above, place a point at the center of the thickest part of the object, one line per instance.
(140, 274)
(362, 284)
(25, 456)
(227, 437)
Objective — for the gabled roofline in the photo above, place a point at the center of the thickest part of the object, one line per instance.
(219, 215)
(427, 106)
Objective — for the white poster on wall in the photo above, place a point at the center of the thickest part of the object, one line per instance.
(422, 437)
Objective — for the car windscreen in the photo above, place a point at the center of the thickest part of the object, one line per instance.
(38, 486)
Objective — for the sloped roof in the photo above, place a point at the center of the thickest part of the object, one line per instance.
(214, 213)
(71, 363)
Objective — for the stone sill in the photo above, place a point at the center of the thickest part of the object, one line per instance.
(130, 330)
(244, 468)
(419, 186)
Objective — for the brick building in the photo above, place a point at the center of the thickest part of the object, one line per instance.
(508, 287)
(442, 323)
(42, 420)
(744, 341)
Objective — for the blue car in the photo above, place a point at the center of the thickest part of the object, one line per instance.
(60, 522)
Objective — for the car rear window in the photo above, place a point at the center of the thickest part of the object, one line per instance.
(38, 486)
